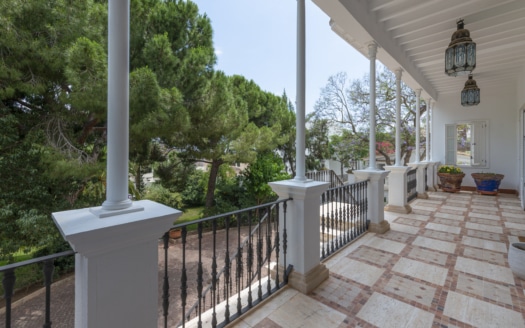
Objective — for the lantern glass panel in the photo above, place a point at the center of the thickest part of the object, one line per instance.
(460, 56)
(471, 56)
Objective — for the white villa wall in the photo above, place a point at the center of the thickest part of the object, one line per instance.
(498, 106)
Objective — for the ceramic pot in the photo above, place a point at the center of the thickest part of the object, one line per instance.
(517, 259)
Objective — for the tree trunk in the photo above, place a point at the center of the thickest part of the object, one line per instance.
(212, 181)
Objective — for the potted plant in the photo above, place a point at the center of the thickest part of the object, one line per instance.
(487, 183)
(450, 177)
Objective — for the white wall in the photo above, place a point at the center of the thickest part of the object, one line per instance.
(498, 106)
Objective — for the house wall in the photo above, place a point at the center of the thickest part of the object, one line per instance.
(498, 107)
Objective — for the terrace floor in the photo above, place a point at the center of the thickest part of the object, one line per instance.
(444, 265)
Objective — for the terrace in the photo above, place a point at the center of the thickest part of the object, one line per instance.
(435, 261)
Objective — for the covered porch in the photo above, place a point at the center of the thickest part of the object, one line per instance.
(443, 265)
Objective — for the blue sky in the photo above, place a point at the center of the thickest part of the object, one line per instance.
(257, 39)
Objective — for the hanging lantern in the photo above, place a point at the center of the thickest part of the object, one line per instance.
(470, 93)
(460, 56)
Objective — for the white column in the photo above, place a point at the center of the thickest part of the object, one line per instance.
(418, 125)
(376, 198)
(118, 106)
(300, 143)
(116, 265)
(372, 52)
(303, 221)
(398, 72)
(427, 142)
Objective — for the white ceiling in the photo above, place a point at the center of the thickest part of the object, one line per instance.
(413, 35)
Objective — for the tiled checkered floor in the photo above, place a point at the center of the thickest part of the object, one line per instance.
(443, 265)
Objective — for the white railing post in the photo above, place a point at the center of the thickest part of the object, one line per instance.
(397, 189)
(376, 198)
(303, 221)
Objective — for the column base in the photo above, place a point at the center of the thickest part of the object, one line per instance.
(422, 195)
(432, 189)
(379, 228)
(398, 209)
(306, 283)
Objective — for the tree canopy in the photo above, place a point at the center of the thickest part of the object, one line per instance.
(53, 105)
(345, 104)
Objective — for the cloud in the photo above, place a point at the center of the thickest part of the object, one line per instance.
(218, 51)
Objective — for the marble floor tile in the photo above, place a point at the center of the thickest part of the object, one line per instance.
(357, 271)
(443, 228)
(514, 215)
(440, 235)
(372, 255)
(485, 221)
(411, 290)
(415, 216)
(303, 311)
(484, 255)
(428, 255)
(479, 313)
(404, 228)
(484, 216)
(397, 236)
(385, 245)
(454, 208)
(516, 226)
(438, 245)
(338, 291)
(478, 208)
(450, 222)
(495, 292)
(387, 312)
(484, 235)
(485, 244)
(443, 215)
(485, 270)
(484, 227)
(420, 270)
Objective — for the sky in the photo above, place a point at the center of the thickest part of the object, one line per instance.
(257, 39)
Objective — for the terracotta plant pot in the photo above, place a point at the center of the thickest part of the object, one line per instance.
(451, 182)
(517, 259)
(175, 233)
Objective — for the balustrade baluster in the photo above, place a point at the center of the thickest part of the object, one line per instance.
(268, 249)
(8, 282)
(49, 268)
(214, 274)
(166, 284)
(250, 260)
(285, 243)
(239, 265)
(323, 204)
(183, 278)
(276, 214)
(227, 278)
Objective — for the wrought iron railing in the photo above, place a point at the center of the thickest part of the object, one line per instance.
(411, 184)
(426, 179)
(326, 176)
(343, 216)
(223, 267)
(9, 278)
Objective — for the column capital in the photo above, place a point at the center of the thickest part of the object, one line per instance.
(372, 49)
(418, 93)
(398, 72)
